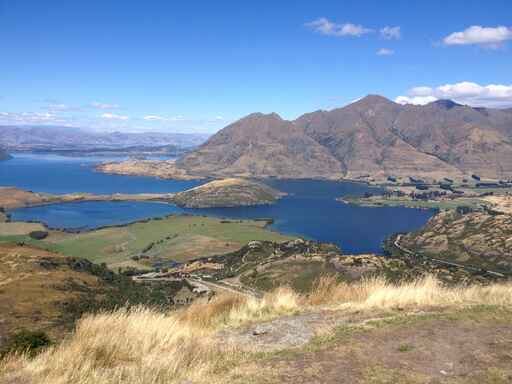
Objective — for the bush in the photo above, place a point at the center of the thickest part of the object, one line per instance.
(38, 235)
(25, 341)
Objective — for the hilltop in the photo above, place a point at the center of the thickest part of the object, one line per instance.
(227, 193)
(367, 332)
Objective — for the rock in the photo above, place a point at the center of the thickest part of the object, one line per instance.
(261, 330)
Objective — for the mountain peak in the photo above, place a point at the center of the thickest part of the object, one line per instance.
(260, 115)
(370, 101)
(372, 98)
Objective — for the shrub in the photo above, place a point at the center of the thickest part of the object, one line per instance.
(38, 235)
(25, 341)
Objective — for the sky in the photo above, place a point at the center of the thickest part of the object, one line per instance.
(196, 66)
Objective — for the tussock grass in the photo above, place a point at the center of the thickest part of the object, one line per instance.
(145, 346)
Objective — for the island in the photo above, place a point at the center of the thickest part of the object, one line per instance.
(214, 194)
(227, 193)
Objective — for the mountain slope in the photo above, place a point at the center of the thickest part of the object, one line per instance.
(264, 146)
(361, 137)
(371, 138)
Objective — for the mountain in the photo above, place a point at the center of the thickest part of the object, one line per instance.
(262, 145)
(371, 138)
(51, 137)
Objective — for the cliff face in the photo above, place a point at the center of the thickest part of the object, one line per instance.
(372, 137)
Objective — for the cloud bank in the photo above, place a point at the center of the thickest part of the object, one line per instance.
(492, 95)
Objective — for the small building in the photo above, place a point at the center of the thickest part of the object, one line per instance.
(184, 296)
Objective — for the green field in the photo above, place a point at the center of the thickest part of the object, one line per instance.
(178, 238)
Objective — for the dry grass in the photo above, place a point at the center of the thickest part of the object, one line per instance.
(144, 346)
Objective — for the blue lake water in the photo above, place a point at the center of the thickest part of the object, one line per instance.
(59, 175)
(310, 209)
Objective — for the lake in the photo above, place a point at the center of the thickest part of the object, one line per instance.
(310, 210)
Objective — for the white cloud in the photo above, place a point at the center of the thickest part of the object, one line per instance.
(57, 107)
(390, 33)
(153, 118)
(385, 52)
(492, 95)
(416, 100)
(329, 28)
(485, 36)
(112, 116)
(98, 105)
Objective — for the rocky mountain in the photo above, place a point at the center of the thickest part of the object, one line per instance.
(44, 137)
(371, 138)
(265, 146)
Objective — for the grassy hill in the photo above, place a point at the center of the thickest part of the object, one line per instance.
(369, 332)
(44, 291)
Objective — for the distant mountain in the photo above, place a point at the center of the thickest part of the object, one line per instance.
(40, 137)
(262, 145)
(3, 154)
(373, 137)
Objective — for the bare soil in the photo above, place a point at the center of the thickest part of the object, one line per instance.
(467, 347)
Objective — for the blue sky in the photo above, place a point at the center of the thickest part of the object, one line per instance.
(195, 66)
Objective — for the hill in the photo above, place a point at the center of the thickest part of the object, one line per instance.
(482, 239)
(227, 193)
(368, 332)
(372, 138)
(45, 291)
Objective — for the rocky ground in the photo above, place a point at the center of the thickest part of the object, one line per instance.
(482, 239)
(469, 346)
(265, 265)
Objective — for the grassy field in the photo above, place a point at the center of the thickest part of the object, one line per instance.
(178, 238)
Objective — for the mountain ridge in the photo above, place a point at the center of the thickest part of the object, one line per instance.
(372, 137)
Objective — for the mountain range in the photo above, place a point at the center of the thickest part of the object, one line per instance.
(52, 137)
(370, 138)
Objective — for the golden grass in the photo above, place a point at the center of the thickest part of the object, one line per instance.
(145, 346)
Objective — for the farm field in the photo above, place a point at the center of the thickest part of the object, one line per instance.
(178, 238)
